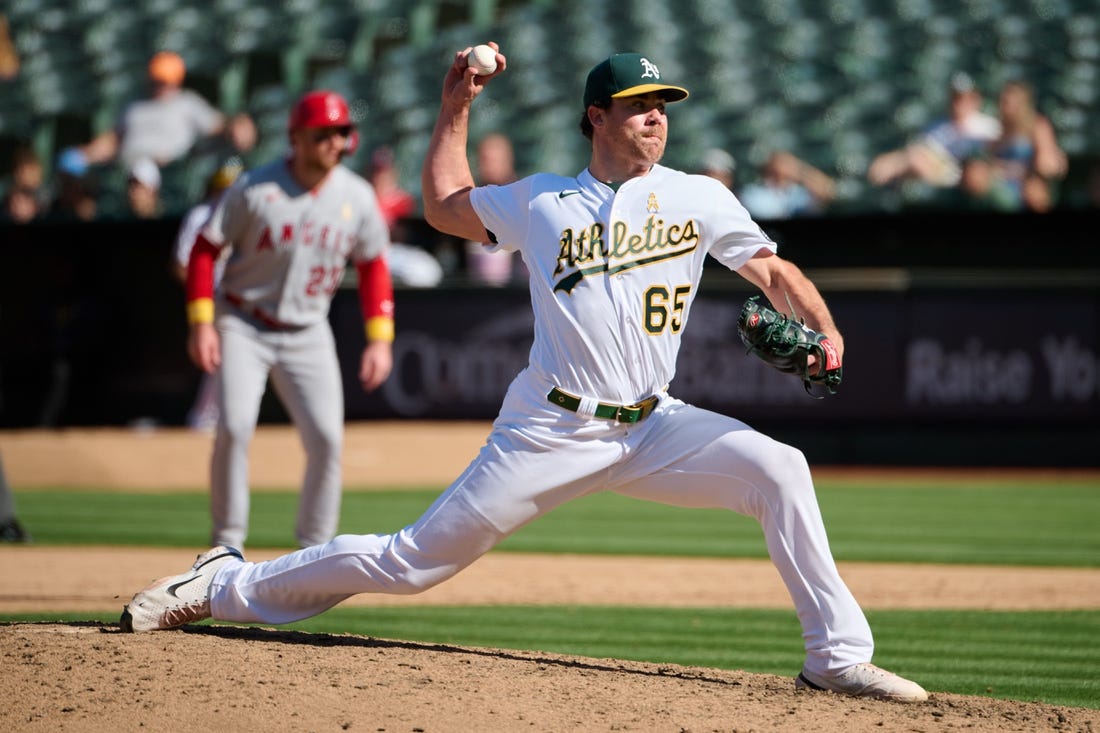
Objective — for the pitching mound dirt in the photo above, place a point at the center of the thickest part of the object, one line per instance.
(90, 677)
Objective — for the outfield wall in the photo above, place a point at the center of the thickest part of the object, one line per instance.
(970, 340)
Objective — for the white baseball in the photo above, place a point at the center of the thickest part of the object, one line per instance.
(483, 59)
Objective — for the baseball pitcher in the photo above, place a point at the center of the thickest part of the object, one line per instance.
(615, 255)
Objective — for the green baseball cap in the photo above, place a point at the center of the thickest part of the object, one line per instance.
(624, 75)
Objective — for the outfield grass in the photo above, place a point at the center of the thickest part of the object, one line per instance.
(1047, 656)
(1038, 524)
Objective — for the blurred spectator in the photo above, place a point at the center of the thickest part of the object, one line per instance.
(495, 165)
(719, 164)
(395, 202)
(409, 264)
(1021, 167)
(9, 56)
(21, 205)
(26, 169)
(977, 187)
(167, 124)
(24, 201)
(204, 412)
(77, 191)
(496, 161)
(143, 189)
(935, 156)
(788, 187)
(1027, 156)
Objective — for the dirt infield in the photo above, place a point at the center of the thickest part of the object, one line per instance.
(89, 677)
(376, 454)
(71, 579)
(93, 679)
(389, 454)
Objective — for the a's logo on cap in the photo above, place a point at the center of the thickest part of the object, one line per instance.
(650, 71)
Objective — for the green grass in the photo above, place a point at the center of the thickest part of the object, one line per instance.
(1046, 656)
(1051, 525)
(1033, 656)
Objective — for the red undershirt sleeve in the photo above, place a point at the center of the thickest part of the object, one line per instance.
(376, 298)
(200, 281)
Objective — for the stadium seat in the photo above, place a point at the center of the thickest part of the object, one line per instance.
(839, 80)
(269, 106)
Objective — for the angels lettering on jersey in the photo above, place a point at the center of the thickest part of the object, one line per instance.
(594, 249)
(309, 233)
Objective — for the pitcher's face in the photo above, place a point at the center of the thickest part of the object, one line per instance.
(637, 128)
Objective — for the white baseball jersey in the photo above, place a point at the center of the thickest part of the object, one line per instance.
(290, 245)
(622, 270)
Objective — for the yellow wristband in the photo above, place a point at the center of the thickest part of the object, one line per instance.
(379, 328)
(200, 310)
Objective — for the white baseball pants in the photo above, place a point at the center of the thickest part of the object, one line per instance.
(681, 455)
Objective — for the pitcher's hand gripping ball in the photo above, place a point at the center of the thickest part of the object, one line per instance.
(787, 344)
(482, 59)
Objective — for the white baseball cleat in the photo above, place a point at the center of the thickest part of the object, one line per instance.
(864, 680)
(178, 599)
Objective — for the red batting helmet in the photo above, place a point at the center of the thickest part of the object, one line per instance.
(323, 108)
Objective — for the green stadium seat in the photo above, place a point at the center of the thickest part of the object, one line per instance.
(835, 82)
(339, 79)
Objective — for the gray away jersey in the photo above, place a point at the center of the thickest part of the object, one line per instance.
(289, 245)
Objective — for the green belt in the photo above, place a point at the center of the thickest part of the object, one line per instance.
(618, 413)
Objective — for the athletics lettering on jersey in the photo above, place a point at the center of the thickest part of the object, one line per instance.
(626, 249)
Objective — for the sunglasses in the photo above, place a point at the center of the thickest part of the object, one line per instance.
(324, 133)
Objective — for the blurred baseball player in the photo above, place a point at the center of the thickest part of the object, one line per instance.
(615, 256)
(290, 226)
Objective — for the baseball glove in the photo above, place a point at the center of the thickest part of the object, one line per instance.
(786, 344)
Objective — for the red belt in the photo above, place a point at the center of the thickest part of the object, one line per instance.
(259, 313)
